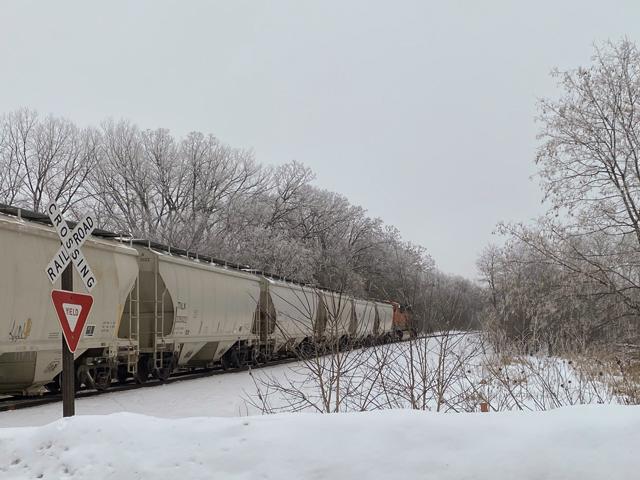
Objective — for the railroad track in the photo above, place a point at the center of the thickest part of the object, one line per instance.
(20, 402)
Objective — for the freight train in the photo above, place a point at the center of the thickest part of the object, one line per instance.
(158, 310)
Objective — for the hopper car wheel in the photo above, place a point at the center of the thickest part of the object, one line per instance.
(97, 377)
(58, 383)
(53, 387)
(102, 379)
(162, 374)
(255, 358)
(224, 361)
(305, 350)
(261, 357)
(122, 375)
(230, 359)
(244, 355)
(235, 359)
(143, 370)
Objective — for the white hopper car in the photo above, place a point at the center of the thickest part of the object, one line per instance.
(157, 310)
(30, 336)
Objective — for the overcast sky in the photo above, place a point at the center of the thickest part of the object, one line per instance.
(422, 112)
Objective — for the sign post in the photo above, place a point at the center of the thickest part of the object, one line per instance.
(72, 308)
(68, 366)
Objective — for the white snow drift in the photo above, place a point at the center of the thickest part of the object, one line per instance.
(588, 442)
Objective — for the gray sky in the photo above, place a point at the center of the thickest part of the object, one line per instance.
(421, 112)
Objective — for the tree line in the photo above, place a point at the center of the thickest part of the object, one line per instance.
(571, 279)
(202, 195)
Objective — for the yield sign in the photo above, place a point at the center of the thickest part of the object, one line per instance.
(73, 310)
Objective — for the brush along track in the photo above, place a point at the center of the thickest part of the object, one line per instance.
(20, 402)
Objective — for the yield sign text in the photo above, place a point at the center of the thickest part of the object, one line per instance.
(73, 310)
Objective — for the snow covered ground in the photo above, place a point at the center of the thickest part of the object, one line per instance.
(587, 442)
(224, 395)
(219, 396)
(206, 429)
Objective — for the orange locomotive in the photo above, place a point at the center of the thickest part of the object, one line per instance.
(403, 326)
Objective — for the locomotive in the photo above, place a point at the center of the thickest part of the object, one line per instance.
(402, 322)
(158, 310)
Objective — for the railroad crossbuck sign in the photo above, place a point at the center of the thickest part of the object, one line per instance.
(70, 251)
(73, 310)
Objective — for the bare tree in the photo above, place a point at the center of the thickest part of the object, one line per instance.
(14, 132)
(124, 183)
(44, 159)
(588, 160)
(573, 277)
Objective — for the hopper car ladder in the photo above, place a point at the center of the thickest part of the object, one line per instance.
(159, 343)
(134, 313)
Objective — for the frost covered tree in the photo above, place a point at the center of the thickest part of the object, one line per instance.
(43, 159)
(200, 194)
(548, 290)
(575, 274)
(589, 157)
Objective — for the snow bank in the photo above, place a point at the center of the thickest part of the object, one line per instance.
(588, 442)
